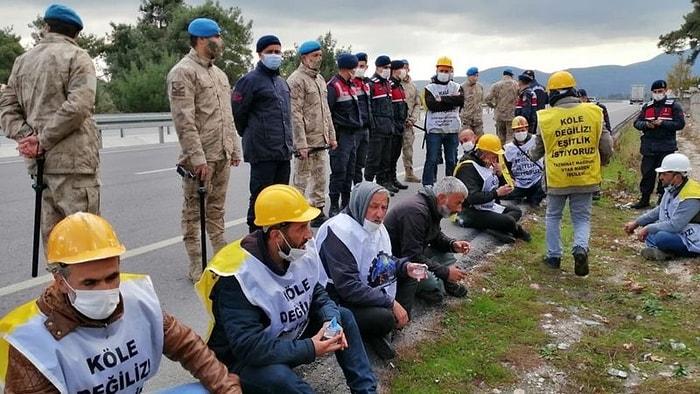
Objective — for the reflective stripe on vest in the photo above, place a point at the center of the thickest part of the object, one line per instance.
(571, 137)
(691, 232)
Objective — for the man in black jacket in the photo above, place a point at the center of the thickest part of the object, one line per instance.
(415, 233)
(400, 111)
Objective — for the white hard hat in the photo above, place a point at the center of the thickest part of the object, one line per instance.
(675, 162)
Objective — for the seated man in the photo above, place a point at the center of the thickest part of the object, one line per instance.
(467, 140)
(673, 227)
(526, 173)
(481, 173)
(270, 309)
(414, 229)
(355, 250)
(94, 329)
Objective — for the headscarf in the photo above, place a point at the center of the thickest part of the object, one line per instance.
(360, 196)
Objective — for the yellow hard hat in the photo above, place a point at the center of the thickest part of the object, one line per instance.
(561, 80)
(278, 204)
(518, 123)
(82, 237)
(489, 143)
(444, 61)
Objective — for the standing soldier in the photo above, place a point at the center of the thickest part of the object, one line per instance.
(263, 115)
(312, 126)
(659, 120)
(382, 125)
(539, 90)
(47, 108)
(361, 84)
(572, 165)
(197, 90)
(409, 135)
(347, 120)
(526, 105)
(472, 114)
(502, 97)
(400, 111)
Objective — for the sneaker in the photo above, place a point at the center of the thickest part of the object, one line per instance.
(580, 261)
(456, 289)
(411, 178)
(552, 262)
(319, 220)
(503, 237)
(641, 204)
(399, 185)
(521, 233)
(655, 254)
(382, 347)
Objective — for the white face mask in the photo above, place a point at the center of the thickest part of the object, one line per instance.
(520, 136)
(658, 96)
(385, 73)
(468, 146)
(293, 254)
(95, 304)
(443, 77)
(371, 226)
(360, 72)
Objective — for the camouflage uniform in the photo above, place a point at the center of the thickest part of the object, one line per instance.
(502, 97)
(472, 113)
(409, 134)
(199, 102)
(51, 93)
(313, 127)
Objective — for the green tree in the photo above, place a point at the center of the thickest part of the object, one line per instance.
(91, 43)
(10, 48)
(142, 88)
(686, 37)
(680, 76)
(291, 58)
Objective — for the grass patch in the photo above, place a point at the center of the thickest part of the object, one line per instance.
(628, 314)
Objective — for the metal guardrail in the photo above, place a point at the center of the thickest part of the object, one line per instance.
(162, 120)
(623, 124)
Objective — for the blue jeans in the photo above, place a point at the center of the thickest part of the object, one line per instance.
(670, 243)
(433, 142)
(281, 378)
(580, 205)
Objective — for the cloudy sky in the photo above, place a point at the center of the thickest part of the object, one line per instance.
(547, 35)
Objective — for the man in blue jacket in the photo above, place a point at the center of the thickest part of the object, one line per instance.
(659, 120)
(262, 112)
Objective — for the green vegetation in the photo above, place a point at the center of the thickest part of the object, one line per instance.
(629, 316)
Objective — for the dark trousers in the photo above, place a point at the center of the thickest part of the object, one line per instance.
(531, 195)
(361, 145)
(649, 176)
(378, 158)
(262, 175)
(506, 222)
(396, 145)
(342, 164)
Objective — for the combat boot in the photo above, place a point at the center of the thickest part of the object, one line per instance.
(399, 185)
(195, 271)
(320, 219)
(643, 203)
(344, 200)
(410, 176)
(335, 209)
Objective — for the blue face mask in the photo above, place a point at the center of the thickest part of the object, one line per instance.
(272, 61)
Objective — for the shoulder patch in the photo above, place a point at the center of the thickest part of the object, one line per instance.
(177, 89)
(237, 96)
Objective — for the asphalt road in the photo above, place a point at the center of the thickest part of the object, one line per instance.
(141, 197)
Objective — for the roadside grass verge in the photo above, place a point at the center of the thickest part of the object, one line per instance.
(630, 326)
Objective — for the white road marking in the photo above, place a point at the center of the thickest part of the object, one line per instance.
(155, 171)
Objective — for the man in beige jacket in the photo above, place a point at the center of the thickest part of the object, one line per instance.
(502, 97)
(472, 113)
(198, 91)
(409, 134)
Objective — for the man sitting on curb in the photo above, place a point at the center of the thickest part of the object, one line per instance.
(414, 228)
(526, 173)
(673, 227)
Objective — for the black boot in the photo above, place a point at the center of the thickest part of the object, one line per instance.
(319, 220)
(390, 187)
(399, 185)
(344, 200)
(643, 203)
(335, 209)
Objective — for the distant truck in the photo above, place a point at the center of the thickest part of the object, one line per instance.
(637, 94)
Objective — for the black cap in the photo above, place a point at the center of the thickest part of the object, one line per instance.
(382, 61)
(361, 56)
(530, 73)
(397, 64)
(658, 84)
(525, 78)
(582, 92)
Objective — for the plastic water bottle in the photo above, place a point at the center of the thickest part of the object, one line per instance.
(332, 329)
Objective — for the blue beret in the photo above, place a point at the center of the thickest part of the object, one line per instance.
(382, 61)
(472, 71)
(361, 56)
(404, 61)
(308, 47)
(397, 64)
(658, 84)
(64, 14)
(508, 71)
(266, 41)
(347, 61)
(203, 27)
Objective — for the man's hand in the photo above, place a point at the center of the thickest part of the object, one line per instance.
(461, 247)
(30, 147)
(409, 123)
(650, 125)
(657, 122)
(202, 171)
(400, 315)
(417, 271)
(504, 190)
(630, 227)
(235, 162)
(333, 144)
(303, 154)
(456, 274)
(642, 234)
(497, 168)
(325, 346)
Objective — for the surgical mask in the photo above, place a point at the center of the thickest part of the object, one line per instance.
(443, 77)
(272, 61)
(444, 211)
(658, 96)
(360, 72)
(385, 73)
(371, 226)
(294, 254)
(468, 146)
(95, 304)
(520, 136)
(402, 74)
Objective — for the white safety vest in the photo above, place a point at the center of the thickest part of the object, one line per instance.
(490, 183)
(372, 251)
(118, 358)
(447, 121)
(523, 170)
(691, 232)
